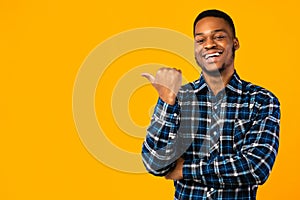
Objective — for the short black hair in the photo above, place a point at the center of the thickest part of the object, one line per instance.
(215, 13)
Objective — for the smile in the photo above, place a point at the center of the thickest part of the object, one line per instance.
(217, 54)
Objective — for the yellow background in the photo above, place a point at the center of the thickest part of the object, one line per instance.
(42, 46)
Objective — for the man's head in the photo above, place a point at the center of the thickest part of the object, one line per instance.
(215, 41)
(215, 13)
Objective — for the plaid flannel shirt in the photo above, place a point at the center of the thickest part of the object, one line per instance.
(233, 165)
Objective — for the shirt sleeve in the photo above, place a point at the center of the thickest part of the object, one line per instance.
(249, 166)
(158, 151)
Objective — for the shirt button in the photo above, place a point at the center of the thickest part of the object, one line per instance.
(215, 107)
(175, 114)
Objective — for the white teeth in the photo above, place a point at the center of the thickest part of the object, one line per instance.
(211, 55)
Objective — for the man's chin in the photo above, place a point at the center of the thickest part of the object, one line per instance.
(212, 69)
(212, 72)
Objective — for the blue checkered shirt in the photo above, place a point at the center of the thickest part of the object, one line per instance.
(229, 142)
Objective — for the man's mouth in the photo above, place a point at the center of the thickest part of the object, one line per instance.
(211, 55)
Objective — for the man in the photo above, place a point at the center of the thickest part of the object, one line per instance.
(218, 136)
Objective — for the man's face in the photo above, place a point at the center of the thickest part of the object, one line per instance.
(214, 45)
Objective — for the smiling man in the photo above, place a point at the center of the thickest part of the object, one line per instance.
(216, 137)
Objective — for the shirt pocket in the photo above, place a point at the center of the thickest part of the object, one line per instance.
(241, 127)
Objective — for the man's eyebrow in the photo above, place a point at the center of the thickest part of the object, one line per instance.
(214, 31)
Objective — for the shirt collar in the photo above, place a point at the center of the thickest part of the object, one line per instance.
(234, 85)
(200, 85)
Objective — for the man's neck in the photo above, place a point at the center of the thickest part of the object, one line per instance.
(218, 82)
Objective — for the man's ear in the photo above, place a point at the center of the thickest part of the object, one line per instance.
(236, 43)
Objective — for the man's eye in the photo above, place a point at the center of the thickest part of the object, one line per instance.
(200, 41)
(220, 37)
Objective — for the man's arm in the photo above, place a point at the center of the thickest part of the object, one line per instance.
(250, 166)
(158, 150)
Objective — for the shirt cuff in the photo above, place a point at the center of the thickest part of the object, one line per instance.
(166, 112)
(191, 170)
(197, 169)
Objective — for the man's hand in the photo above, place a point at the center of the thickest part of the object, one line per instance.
(167, 82)
(176, 174)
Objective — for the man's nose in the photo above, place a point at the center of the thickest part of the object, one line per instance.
(210, 43)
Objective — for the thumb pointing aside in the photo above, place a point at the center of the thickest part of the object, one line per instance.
(149, 77)
(167, 82)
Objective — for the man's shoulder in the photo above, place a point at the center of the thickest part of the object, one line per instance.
(191, 87)
(188, 92)
(258, 92)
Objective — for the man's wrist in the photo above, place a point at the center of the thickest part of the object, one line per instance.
(169, 99)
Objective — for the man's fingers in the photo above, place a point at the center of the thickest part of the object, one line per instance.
(149, 77)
